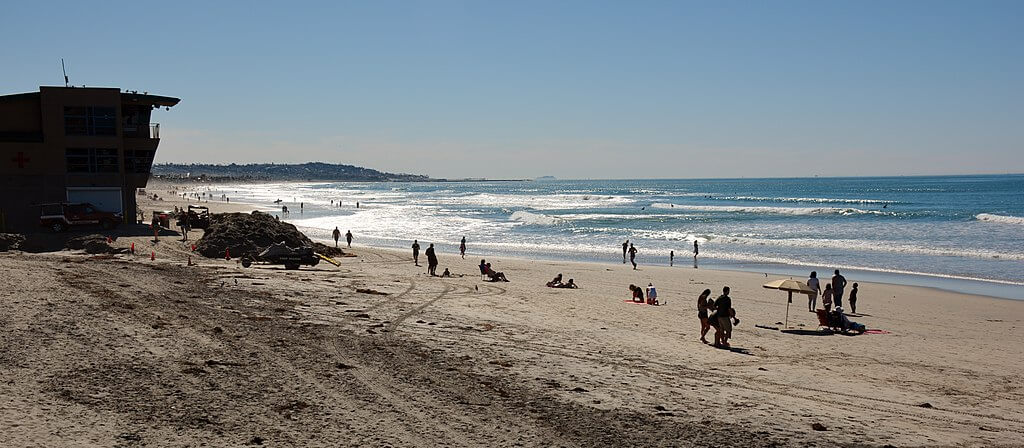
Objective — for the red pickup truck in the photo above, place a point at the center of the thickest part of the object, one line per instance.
(59, 217)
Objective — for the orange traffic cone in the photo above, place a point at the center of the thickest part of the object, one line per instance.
(133, 248)
(227, 254)
(152, 255)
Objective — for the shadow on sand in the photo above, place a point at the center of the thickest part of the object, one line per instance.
(44, 241)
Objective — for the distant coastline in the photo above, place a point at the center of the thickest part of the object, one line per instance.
(277, 172)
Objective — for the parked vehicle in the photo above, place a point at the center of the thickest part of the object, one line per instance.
(61, 216)
(198, 216)
(290, 257)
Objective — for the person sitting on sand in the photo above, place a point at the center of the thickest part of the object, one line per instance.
(702, 314)
(839, 319)
(652, 294)
(826, 297)
(446, 273)
(556, 282)
(494, 275)
(571, 285)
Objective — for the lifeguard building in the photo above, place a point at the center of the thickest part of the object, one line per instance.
(74, 144)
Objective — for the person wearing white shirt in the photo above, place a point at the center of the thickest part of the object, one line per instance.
(812, 299)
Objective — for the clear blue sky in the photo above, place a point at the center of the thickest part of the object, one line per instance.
(572, 89)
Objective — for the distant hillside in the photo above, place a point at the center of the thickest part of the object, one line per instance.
(278, 172)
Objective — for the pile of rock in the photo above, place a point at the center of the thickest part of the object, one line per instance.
(246, 234)
(93, 244)
(10, 241)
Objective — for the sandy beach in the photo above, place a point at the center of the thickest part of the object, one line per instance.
(125, 351)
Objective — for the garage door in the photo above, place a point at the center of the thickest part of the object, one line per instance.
(105, 199)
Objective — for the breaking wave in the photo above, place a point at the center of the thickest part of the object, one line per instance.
(799, 211)
(988, 217)
(803, 200)
(535, 219)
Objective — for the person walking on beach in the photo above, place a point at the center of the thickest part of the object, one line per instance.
(853, 299)
(431, 260)
(632, 255)
(416, 252)
(348, 237)
(838, 284)
(696, 250)
(814, 284)
(625, 247)
(671, 257)
(337, 234)
(826, 298)
(462, 248)
(723, 306)
(702, 314)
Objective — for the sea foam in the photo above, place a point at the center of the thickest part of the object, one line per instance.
(999, 218)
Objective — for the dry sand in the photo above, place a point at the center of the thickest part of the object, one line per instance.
(124, 351)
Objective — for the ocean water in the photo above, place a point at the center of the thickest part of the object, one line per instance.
(963, 233)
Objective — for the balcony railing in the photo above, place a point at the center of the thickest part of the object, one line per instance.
(151, 130)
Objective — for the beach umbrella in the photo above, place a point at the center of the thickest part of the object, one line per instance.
(789, 285)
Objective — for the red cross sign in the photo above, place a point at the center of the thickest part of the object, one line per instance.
(21, 160)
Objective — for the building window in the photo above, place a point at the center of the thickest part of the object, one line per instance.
(138, 160)
(88, 120)
(92, 160)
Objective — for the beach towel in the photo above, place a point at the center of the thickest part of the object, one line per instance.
(635, 303)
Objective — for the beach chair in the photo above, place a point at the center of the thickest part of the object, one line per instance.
(824, 321)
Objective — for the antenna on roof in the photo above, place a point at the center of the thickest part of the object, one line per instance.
(65, 72)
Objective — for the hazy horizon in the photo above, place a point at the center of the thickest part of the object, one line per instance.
(575, 90)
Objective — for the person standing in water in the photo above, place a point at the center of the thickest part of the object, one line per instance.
(348, 238)
(337, 234)
(462, 248)
(625, 247)
(632, 255)
(696, 250)
(671, 257)
(416, 252)
(813, 283)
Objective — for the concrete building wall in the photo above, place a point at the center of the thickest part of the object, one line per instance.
(34, 144)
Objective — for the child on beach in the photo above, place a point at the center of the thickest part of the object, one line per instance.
(853, 299)
(556, 282)
(826, 297)
(652, 294)
(702, 314)
(638, 293)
